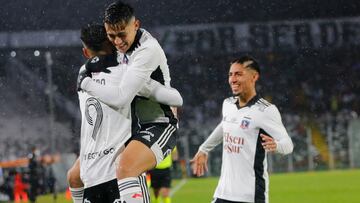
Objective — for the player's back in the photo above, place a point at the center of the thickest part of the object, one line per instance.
(145, 110)
(103, 131)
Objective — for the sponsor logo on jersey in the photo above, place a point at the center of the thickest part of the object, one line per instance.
(94, 155)
(233, 144)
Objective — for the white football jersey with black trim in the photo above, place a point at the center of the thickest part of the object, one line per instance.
(104, 131)
(244, 175)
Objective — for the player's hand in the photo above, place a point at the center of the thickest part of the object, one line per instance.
(101, 63)
(82, 75)
(199, 163)
(268, 143)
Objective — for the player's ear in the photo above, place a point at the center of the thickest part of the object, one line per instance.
(86, 53)
(137, 24)
(256, 76)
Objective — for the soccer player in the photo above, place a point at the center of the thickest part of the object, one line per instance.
(161, 178)
(143, 58)
(250, 128)
(105, 129)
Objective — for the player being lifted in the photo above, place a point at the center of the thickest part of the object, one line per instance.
(143, 58)
(105, 129)
(250, 127)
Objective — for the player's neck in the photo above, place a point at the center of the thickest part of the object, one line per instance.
(246, 97)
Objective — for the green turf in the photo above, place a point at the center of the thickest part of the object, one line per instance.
(319, 187)
(314, 187)
(309, 187)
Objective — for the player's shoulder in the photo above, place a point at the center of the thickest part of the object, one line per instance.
(262, 103)
(82, 68)
(230, 104)
(265, 107)
(230, 101)
(148, 41)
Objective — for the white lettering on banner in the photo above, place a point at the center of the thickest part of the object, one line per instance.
(218, 38)
(232, 38)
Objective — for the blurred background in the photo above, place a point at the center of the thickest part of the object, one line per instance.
(309, 52)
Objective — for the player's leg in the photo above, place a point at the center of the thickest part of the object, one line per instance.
(165, 185)
(147, 148)
(75, 184)
(155, 185)
(144, 188)
(165, 194)
(134, 160)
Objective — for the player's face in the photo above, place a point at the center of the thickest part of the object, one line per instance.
(241, 80)
(122, 36)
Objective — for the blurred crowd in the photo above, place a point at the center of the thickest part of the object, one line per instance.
(24, 183)
(310, 87)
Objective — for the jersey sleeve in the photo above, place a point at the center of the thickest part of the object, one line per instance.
(162, 94)
(273, 125)
(216, 137)
(213, 140)
(146, 60)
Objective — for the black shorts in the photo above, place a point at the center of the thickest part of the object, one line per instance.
(160, 178)
(218, 200)
(161, 138)
(102, 193)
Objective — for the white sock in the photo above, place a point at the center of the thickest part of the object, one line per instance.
(144, 188)
(77, 194)
(130, 190)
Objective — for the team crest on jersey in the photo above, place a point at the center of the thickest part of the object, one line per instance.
(245, 124)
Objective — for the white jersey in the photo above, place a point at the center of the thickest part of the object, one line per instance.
(244, 176)
(104, 130)
(145, 59)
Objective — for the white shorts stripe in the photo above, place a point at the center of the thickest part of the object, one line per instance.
(163, 134)
(168, 137)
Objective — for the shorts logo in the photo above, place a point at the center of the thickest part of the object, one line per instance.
(146, 137)
(167, 153)
(86, 201)
(150, 127)
(245, 124)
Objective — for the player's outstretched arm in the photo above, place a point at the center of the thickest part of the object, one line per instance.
(162, 94)
(137, 74)
(213, 140)
(199, 163)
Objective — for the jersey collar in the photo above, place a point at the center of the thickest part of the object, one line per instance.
(250, 103)
(136, 42)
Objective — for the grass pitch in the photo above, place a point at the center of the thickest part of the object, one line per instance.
(310, 187)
